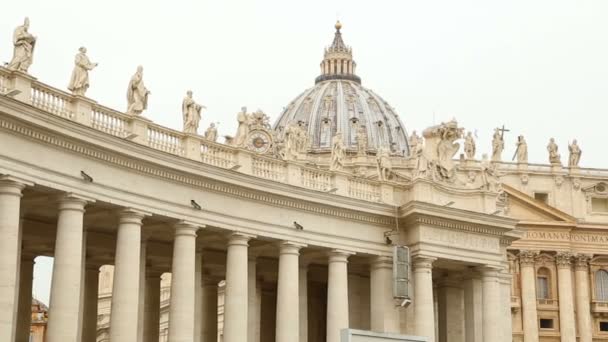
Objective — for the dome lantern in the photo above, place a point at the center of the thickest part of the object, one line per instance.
(338, 63)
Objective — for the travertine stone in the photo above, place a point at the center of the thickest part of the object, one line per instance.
(498, 145)
(491, 302)
(235, 302)
(254, 301)
(137, 94)
(91, 283)
(191, 112)
(24, 43)
(79, 82)
(384, 315)
(566, 304)
(209, 294)
(152, 306)
(554, 156)
(384, 163)
(575, 154)
(521, 151)
(10, 243)
(181, 324)
(424, 307)
(583, 310)
(288, 293)
(450, 309)
(65, 301)
(125, 290)
(24, 313)
(469, 146)
(303, 305)
(473, 307)
(337, 294)
(337, 153)
(211, 133)
(528, 295)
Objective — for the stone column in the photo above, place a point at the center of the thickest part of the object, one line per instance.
(384, 314)
(235, 302)
(303, 279)
(152, 306)
(124, 316)
(198, 297)
(566, 303)
(424, 307)
(491, 303)
(91, 289)
(64, 308)
(337, 294)
(10, 249)
(254, 306)
(528, 295)
(451, 311)
(142, 287)
(24, 312)
(181, 312)
(583, 310)
(288, 293)
(505, 288)
(209, 316)
(473, 307)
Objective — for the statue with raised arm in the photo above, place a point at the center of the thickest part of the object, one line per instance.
(337, 153)
(575, 154)
(23, 53)
(413, 143)
(137, 94)
(554, 156)
(191, 112)
(498, 145)
(521, 151)
(211, 133)
(79, 82)
(469, 146)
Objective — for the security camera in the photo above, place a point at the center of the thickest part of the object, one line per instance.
(406, 302)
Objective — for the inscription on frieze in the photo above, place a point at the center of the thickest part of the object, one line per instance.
(566, 237)
(451, 238)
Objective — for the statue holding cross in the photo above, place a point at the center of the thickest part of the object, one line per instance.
(498, 143)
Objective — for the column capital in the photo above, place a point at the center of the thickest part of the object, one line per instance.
(421, 261)
(563, 259)
(130, 215)
(381, 261)
(288, 247)
(238, 238)
(72, 201)
(527, 257)
(581, 262)
(11, 185)
(339, 255)
(186, 228)
(488, 272)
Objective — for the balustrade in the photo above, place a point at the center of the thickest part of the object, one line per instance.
(165, 139)
(217, 155)
(269, 169)
(4, 81)
(109, 121)
(51, 100)
(363, 189)
(316, 179)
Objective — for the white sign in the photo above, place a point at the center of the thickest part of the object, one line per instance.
(351, 335)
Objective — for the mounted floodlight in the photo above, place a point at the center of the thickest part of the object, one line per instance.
(86, 177)
(195, 205)
(496, 212)
(235, 167)
(331, 191)
(401, 271)
(12, 93)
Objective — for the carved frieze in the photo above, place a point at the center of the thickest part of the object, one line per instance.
(456, 239)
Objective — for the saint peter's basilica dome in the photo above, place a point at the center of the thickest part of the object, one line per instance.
(339, 104)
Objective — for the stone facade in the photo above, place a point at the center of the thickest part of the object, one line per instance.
(233, 242)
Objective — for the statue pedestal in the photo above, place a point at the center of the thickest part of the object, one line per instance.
(192, 146)
(522, 166)
(22, 83)
(138, 129)
(556, 167)
(82, 108)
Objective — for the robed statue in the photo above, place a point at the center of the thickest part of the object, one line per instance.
(337, 153)
(191, 113)
(137, 94)
(469, 146)
(554, 156)
(498, 145)
(79, 82)
(383, 163)
(243, 130)
(23, 53)
(211, 133)
(575, 154)
(521, 152)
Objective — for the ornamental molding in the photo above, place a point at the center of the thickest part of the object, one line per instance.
(581, 261)
(444, 223)
(527, 257)
(116, 158)
(563, 259)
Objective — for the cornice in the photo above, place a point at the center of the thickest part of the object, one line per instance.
(118, 158)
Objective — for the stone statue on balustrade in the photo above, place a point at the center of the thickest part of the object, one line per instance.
(489, 175)
(338, 153)
(498, 145)
(361, 141)
(79, 82)
(469, 146)
(575, 154)
(211, 133)
(24, 43)
(137, 94)
(521, 151)
(447, 147)
(554, 157)
(242, 131)
(414, 142)
(383, 162)
(191, 112)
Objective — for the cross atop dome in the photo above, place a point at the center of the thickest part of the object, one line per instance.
(338, 63)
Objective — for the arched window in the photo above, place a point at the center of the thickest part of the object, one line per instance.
(543, 283)
(601, 285)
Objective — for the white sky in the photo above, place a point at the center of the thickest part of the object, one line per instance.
(539, 67)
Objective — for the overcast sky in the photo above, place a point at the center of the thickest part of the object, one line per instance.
(539, 67)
